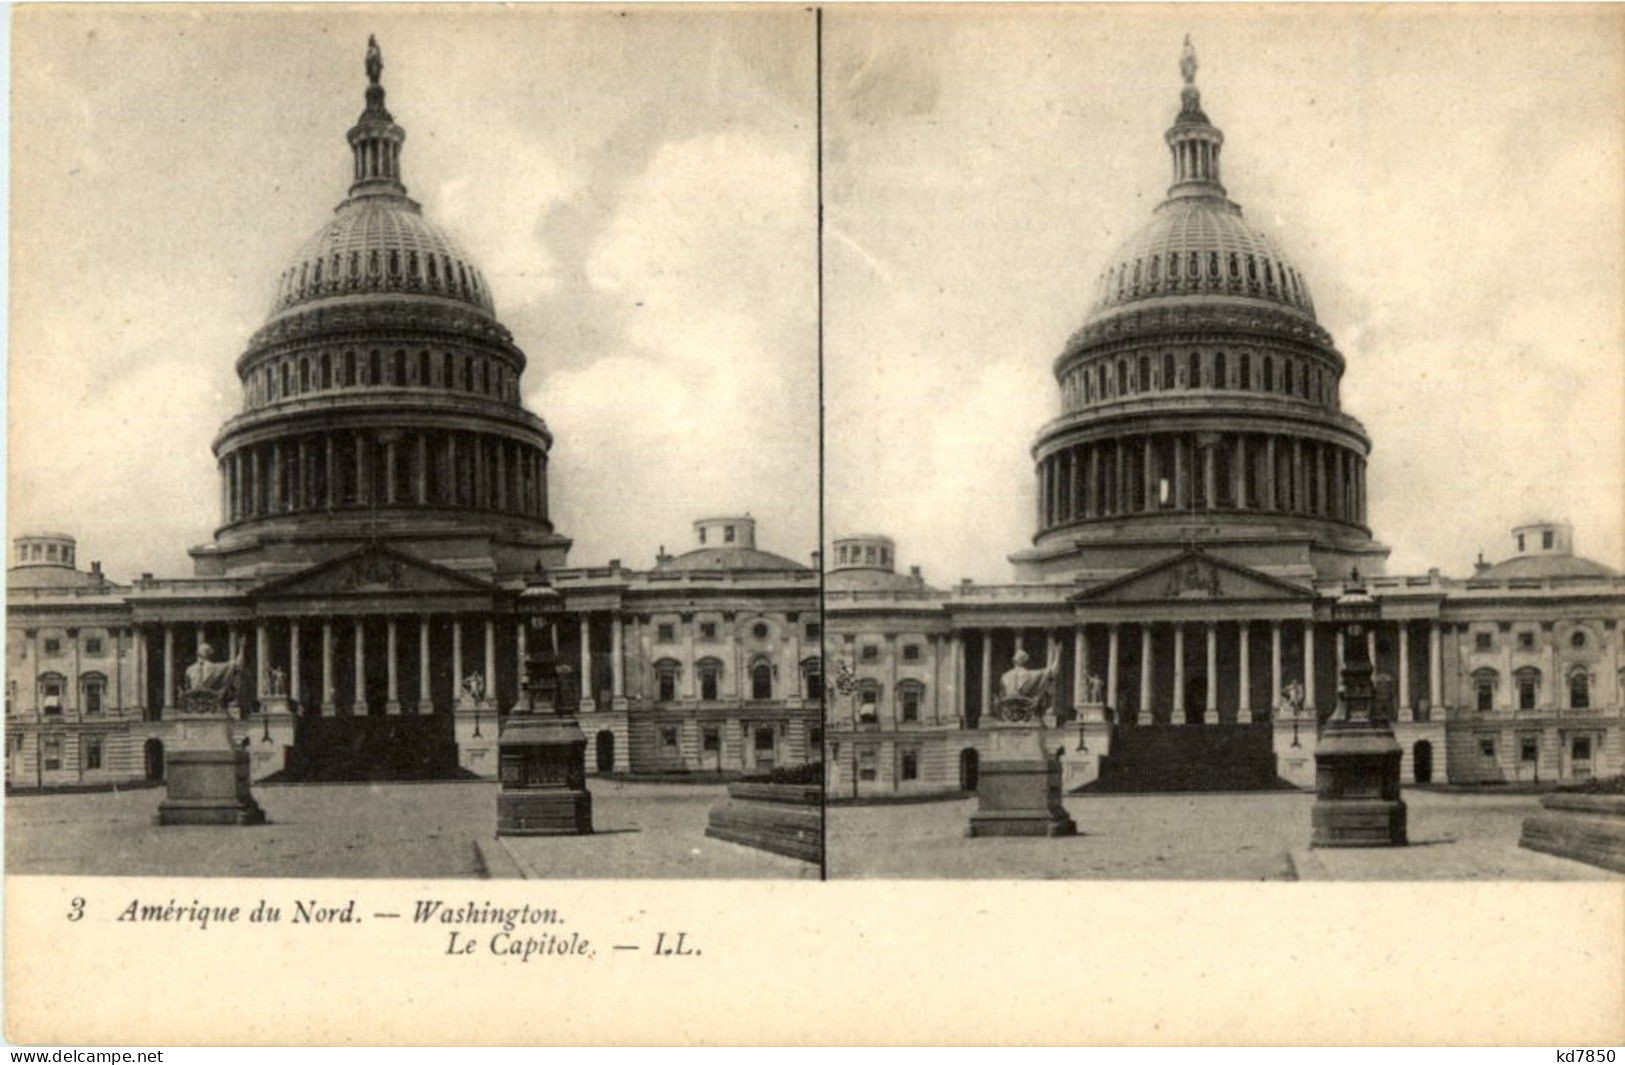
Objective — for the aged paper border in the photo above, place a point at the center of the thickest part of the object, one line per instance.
(842, 962)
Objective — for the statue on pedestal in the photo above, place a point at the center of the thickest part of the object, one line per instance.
(212, 686)
(474, 687)
(1025, 693)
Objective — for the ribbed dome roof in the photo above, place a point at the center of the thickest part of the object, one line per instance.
(1541, 567)
(1198, 247)
(380, 243)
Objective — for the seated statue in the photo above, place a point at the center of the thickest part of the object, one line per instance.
(211, 685)
(1024, 693)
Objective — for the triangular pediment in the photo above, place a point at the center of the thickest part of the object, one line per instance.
(371, 571)
(1193, 575)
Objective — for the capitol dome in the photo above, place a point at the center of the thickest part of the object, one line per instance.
(380, 244)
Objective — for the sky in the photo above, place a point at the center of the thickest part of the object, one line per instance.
(1447, 179)
(638, 187)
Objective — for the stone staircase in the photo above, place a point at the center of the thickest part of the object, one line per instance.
(393, 747)
(1153, 758)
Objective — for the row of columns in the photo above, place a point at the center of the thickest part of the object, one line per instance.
(1209, 634)
(321, 471)
(1201, 471)
(1107, 379)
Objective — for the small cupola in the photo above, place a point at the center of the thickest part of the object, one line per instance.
(865, 551)
(726, 531)
(1543, 538)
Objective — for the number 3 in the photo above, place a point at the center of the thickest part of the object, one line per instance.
(77, 910)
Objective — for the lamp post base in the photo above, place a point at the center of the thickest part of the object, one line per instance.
(1357, 801)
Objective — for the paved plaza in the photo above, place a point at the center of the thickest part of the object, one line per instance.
(1240, 836)
(379, 830)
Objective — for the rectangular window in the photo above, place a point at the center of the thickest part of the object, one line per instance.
(911, 652)
(1528, 749)
(763, 739)
(93, 696)
(51, 694)
(911, 704)
(51, 752)
(1546, 539)
(911, 765)
(1486, 747)
(1526, 640)
(93, 752)
(867, 763)
(1481, 641)
(93, 645)
(871, 653)
(1527, 688)
(712, 739)
(1486, 694)
(666, 633)
(728, 534)
(668, 686)
(708, 685)
(668, 738)
(53, 646)
(708, 630)
(814, 630)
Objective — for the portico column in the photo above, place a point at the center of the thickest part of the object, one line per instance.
(586, 661)
(328, 703)
(490, 686)
(1309, 665)
(262, 659)
(1142, 715)
(1080, 670)
(986, 705)
(520, 637)
(293, 661)
(168, 701)
(617, 668)
(1210, 714)
(425, 696)
(358, 703)
(1244, 701)
(1111, 665)
(457, 661)
(1405, 713)
(1275, 667)
(1178, 717)
(392, 704)
(1435, 672)
(140, 666)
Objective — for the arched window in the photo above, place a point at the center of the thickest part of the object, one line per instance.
(1580, 690)
(349, 368)
(1286, 377)
(326, 378)
(447, 377)
(1143, 383)
(1122, 376)
(761, 679)
(910, 695)
(1168, 370)
(304, 375)
(709, 670)
(1269, 374)
(1193, 375)
(1173, 267)
(868, 701)
(1245, 374)
(812, 677)
(51, 687)
(400, 369)
(1527, 680)
(285, 376)
(423, 369)
(666, 673)
(1219, 370)
(374, 376)
(93, 692)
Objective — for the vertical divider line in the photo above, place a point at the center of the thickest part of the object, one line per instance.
(823, 627)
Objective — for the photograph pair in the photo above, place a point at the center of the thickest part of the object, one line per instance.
(764, 442)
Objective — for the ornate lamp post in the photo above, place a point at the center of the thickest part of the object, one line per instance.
(1357, 801)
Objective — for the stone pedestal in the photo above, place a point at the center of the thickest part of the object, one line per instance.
(544, 777)
(207, 775)
(1018, 788)
(1357, 801)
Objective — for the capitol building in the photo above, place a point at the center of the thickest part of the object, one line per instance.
(386, 559)
(1201, 504)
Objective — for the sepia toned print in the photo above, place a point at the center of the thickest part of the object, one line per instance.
(390, 657)
(1206, 660)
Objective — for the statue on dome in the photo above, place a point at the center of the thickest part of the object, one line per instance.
(375, 59)
(1024, 693)
(1187, 61)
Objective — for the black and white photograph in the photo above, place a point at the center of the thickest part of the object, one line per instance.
(413, 444)
(1223, 450)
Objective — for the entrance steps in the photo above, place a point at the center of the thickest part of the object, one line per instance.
(349, 748)
(1152, 758)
